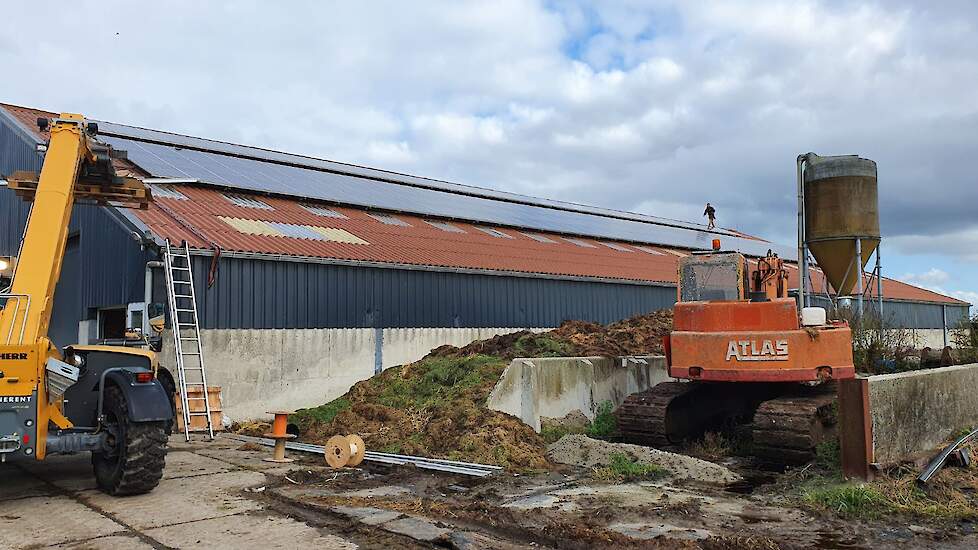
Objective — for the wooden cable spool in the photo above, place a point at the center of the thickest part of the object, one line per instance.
(341, 451)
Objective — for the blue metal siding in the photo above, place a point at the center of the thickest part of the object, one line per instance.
(109, 270)
(15, 151)
(263, 294)
(912, 314)
(103, 269)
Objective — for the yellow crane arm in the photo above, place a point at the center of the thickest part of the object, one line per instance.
(75, 166)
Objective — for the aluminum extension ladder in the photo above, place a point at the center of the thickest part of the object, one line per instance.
(185, 326)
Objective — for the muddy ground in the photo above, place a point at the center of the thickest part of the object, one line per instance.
(567, 508)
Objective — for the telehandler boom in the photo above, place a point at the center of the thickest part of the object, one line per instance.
(96, 399)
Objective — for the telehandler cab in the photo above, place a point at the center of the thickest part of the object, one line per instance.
(99, 399)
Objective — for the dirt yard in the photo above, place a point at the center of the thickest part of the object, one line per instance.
(580, 507)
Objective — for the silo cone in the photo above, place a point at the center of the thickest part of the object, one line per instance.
(841, 207)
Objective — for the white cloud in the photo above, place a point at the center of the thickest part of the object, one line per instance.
(653, 105)
(937, 280)
(933, 277)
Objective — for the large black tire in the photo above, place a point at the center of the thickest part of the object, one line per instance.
(136, 465)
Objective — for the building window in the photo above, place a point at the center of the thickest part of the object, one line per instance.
(324, 212)
(389, 220)
(579, 242)
(648, 250)
(246, 202)
(494, 232)
(445, 226)
(539, 238)
(615, 246)
(166, 192)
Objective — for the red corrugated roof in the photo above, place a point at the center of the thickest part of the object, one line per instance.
(418, 244)
(28, 118)
(424, 245)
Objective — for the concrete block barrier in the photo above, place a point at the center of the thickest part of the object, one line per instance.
(555, 386)
(893, 418)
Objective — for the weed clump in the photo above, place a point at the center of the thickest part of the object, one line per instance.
(605, 423)
(323, 413)
(622, 469)
(849, 501)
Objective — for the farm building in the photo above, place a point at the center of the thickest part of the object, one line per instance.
(312, 274)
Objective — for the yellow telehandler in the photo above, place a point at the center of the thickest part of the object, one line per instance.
(99, 399)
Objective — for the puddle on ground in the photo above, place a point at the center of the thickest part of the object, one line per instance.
(751, 481)
(835, 541)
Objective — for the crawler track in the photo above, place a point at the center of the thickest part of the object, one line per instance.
(787, 430)
(787, 422)
(643, 417)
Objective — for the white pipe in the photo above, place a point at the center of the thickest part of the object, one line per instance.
(148, 292)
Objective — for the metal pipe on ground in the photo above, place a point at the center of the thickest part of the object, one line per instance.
(437, 464)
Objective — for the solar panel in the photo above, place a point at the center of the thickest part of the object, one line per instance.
(109, 129)
(254, 175)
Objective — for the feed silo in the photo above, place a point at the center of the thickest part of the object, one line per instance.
(839, 220)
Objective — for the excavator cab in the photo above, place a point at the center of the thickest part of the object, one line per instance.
(712, 277)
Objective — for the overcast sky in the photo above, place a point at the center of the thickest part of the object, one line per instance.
(648, 106)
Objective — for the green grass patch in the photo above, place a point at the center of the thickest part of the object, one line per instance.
(849, 501)
(623, 468)
(828, 456)
(551, 434)
(605, 423)
(895, 495)
(323, 413)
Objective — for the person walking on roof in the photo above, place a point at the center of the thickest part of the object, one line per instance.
(711, 214)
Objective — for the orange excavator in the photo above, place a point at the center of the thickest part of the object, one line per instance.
(743, 355)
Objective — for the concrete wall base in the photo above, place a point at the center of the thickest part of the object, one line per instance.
(271, 369)
(553, 387)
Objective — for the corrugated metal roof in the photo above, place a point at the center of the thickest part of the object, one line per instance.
(285, 227)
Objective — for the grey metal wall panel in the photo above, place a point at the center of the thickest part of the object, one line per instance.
(268, 294)
(911, 314)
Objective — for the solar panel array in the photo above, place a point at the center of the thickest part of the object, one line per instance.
(183, 142)
(179, 162)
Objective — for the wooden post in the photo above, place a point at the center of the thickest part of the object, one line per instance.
(856, 429)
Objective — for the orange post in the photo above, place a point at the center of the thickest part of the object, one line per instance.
(280, 435)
